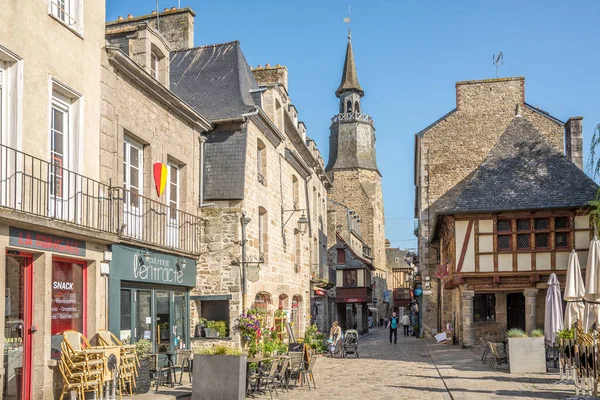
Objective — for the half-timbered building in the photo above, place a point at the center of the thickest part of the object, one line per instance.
(504, 229)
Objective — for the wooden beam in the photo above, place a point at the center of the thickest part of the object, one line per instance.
(476, 238)
(463, 251)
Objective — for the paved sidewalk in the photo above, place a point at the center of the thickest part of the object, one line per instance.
(467, 377)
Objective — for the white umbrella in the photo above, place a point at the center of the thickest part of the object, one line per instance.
(592, 285)
(574, 291)
(553, 320)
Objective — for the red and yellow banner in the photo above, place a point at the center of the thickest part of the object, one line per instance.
(160, 177)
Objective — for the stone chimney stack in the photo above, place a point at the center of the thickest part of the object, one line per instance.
(269, 75)
(175, 24)
(574, 140)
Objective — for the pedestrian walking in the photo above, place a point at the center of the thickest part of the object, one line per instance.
(405, 321)
(380, 322)
(393, 325)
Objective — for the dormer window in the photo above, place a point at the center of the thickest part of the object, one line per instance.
(154, 65)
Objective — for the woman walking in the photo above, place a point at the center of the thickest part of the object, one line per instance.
(335, 334)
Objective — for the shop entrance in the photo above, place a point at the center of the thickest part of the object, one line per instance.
(157, 314)
(18, 300)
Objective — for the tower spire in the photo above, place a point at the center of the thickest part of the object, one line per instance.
(349, 76)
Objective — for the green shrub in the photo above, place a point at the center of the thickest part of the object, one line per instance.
(143, 347)
(537, 333)
(219, 350)
(566, 334)
(516, 333)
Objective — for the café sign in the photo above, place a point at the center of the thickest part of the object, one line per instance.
(45, 242)
(143, 266)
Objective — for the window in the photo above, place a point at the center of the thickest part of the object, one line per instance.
(10, 94)
(534, 233)
(173, 191)
(341, 257)
(350, 278)
(296, 192)
(68, 307)
(215, 310)
(484, 307)
(154, 65)
(64, 133)
(542, 232)
(132, 184)
(59, 144)
(262, 230)
(69, 12)
(261, 162)
(356, 107)
(349, 107)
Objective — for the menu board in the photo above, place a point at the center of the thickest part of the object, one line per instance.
(67, 296)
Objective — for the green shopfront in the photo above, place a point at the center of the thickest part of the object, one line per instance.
(149, 297)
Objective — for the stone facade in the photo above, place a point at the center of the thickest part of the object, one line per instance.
(290, 183)
(456, 144)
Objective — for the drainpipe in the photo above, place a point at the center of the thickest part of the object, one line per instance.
(202, 140)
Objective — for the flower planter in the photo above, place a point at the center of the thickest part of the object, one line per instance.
(218, 377)
(211, 333)
(527, 355)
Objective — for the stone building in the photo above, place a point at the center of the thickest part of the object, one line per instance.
(505, 228)
(150, 152)
(401, 277)
(352, 167)
(262, 178)
(53, 234)
(453, 147)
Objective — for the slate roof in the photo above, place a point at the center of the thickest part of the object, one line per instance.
(393, 253)
(349, 76)
(224, 163)
(521, 172)
(215, 80)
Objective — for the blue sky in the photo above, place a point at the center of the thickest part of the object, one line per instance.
(409, 54)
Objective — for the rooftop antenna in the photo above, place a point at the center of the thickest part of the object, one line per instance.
(347, 20)
(498, 60)
(157, 20)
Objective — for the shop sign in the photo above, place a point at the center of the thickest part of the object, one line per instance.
(45, 242)
(320, 292)
(139, 265)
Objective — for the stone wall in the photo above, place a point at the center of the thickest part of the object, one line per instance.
(457, 144)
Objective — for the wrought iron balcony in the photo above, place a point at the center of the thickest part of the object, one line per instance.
(37, 187)
(351, 117)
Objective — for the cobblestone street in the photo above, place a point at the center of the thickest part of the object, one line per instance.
(383, 371)
(421, 369)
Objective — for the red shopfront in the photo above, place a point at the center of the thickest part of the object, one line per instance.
(68, 296)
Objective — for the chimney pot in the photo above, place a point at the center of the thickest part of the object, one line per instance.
(258, 66)
(173, 8)
(278, 65)
(167, 9)
(267, 65)
(119, 18)
(154, 12)
(130, 16)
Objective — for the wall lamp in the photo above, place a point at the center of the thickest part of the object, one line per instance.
(180, 264)
(302, 221)
(146, 256)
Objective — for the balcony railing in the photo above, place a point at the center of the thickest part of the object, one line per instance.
(36, 187)
(351, 117)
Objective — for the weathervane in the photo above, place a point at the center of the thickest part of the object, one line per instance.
(347, 20)
(498, 60)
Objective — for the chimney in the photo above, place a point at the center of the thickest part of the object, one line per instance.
(387, 244)
(574, 140)
(269, 75)
(176, 25)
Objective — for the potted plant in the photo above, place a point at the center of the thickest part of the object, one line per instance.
(215, 329)
(143, 348)
(527, 354)
(249, 328)
(219, 373)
